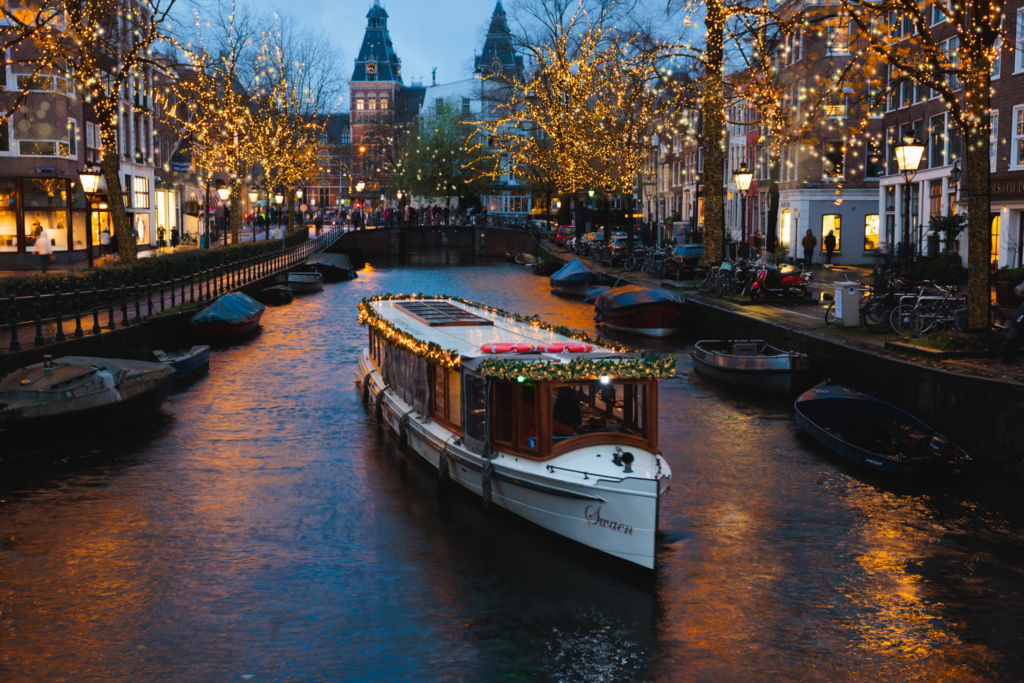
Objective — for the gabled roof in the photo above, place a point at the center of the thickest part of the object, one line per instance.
(499, 55)
(377, 50)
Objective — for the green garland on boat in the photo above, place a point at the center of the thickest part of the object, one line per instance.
(649, 367)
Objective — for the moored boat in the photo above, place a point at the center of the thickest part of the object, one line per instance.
(876, 434)
(639, 310)
(558, 430)
(74, 396)
(751, 365)
(276, 295)
(574, 279)
(305, 282)
(334, 267)
(185, 363)
(229, 316)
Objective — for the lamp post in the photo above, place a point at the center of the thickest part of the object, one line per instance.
(908, 157)
(279, 199)
(657, 185)
(90, 177)
(743, 176)
(224, 192)
(254, 195)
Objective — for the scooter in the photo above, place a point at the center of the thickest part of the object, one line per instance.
(769, 282)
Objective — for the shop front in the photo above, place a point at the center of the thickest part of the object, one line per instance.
(30, 207)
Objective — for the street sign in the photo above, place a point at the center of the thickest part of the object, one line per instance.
(303, 208)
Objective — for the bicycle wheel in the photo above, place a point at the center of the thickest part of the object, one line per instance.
(926, 319)
(830, 313)
(708, 285)
(996, 319)
(721, 284)
(595, 255)
(899, 319)
(700, 276)
(630, 263)
(876, 315)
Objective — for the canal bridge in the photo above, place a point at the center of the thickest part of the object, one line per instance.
(463, 240)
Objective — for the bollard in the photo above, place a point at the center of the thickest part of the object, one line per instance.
(149, 298)
(79, 332)
(138, 314)
(60, 315)
(124, 306)
(162, 307)
(12, 310)
(95, 311)
(110, 308)
(39, 321)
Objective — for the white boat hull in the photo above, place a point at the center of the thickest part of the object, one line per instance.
(616, 515)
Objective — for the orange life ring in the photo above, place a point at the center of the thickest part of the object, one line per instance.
(508, 347)
(568, 347)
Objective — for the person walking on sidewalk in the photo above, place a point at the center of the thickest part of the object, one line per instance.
(105, 243)
(809, 243)
(44, 249)
(830, 246)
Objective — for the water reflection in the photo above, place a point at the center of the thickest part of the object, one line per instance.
(263, 525)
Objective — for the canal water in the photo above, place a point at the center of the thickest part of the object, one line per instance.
(262, 528)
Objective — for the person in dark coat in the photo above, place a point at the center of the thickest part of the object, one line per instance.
(830, 246)
(809, 243)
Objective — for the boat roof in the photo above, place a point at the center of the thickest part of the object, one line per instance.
(478, 327)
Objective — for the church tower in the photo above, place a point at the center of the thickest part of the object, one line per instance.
(374, 90)
(498, 56)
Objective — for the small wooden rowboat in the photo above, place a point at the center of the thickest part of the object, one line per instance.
(229, 316)
(750, 364)
(186, 363)
(303, 283)
(876, 434)
(638, 310)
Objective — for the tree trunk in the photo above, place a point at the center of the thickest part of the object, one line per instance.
(291, 210)
(115, 200)
(580, 216)
(772, 231)
(236, 211)
(608, 223)
(979, 229)
(714, 123)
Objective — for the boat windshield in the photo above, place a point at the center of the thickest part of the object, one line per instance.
(587, 408)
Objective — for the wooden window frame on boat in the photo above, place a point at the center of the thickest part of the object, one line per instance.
(546, 450)
(443, 420)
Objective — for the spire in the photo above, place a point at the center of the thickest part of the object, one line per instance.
(499, 55)
(376, 59)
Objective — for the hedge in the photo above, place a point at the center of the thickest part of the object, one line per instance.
(155, 269)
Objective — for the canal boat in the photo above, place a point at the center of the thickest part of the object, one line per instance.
(751, 365)
(229, 316)
(73, 396)
(277, 295)
(185, 363)
(334, 267)
(305, 282)
(876, 434)
(639, 310)
(562, 431)
(574, 279)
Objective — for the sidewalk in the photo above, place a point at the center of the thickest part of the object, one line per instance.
(810, 318)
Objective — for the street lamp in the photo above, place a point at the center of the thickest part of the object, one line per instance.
(253, 196)
(298, 194)
(90, 177)
(908, 157)
(742, 177)
(223, 191)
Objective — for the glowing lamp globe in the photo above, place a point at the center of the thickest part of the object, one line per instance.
(253, 196)
(908, 154)
(223, 193)
(90, 179)
(742, 176)
(279, 198)
(298, 194)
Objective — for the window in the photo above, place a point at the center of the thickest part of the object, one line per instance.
(441, 314)
(34, 82)
(1018, 54)
(438, 105)
(1018, 136)
(446, 395)
(839, 37)
(832, 160)
(581, 409)
(890, 198)
(359, 101)
(384, 101)
(514, 416)
(371, 101)
(39, 148)
(345, 138)
(873, 165)
(465, 106)
(141, 192)
(5, 138)
(3, 69)
(993, 140)
(994, 254)
(892, 168)
(323, 139)
(934, 198)
(835, 105)
(787, 226)
(72, 138)
(937, 156)
(952, 52)
(871, 232)
(938, 16)
(997, 59)
(955, 144)
(830, 223)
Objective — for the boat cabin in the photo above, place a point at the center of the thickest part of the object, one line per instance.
(509, 384)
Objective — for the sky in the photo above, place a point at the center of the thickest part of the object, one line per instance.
(425, 33)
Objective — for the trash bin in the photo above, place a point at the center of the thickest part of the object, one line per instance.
(202, 241)
(847, 304)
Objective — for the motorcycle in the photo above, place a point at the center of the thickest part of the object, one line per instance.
(769, 282)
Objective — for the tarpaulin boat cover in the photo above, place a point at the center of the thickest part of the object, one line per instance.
(594, 293)
(574, 272)
(629, 296)
(340, 261)
(230, 308)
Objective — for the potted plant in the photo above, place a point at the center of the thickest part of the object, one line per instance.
(1006, 279)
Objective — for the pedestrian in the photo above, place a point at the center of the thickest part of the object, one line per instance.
(160, 236)
(44, 249)
(809, 243)
(174, 238)
(446, 213)
(830, 246)
(318, 223)
(105, 244)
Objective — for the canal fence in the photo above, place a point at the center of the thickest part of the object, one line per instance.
(42, 319)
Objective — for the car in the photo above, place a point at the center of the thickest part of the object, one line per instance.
(564, 232)
(683, 260)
